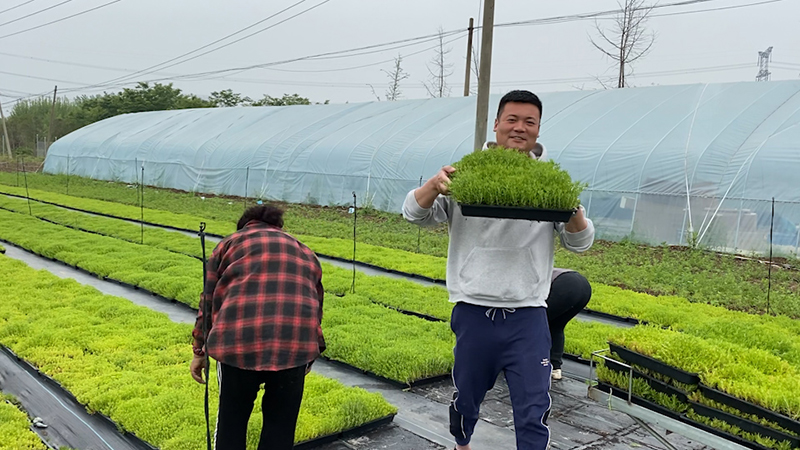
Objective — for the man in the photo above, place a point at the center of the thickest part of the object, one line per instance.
(264, 291)
(499, 274)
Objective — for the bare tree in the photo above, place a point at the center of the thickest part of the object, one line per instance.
(473, 84)
(628, 40)
(396, 75)
(438, 70)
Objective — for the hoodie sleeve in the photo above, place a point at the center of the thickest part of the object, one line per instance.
(576, 242)
(438, 213)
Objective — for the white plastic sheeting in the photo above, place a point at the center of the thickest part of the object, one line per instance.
(666, 164)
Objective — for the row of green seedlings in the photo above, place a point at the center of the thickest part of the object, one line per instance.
(375, 227)
(358, 331)
(780, 335)
(131, 364)
(15, 427)
(700, 277)
(745, 392)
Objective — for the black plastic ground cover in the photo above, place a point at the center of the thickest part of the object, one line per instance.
(657, 385)
(30, 368)
(655, 365)
(577, 359)
(508, 212)
(613, 317)
(750, 408)
(395, 383)
(639, 401)
(346, 434)
(745, 424)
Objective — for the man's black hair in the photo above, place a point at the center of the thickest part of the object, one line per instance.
(519, 97)
(263, 213)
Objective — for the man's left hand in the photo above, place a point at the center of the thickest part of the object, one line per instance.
(577, 222)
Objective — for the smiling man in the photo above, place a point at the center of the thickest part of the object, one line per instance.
(498, 274)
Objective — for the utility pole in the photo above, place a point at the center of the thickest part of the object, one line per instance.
(52, 116)
(469, 56)
(5, 130)
(484, 75)
(763, 65)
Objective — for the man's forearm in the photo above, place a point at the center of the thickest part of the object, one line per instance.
(426, 195)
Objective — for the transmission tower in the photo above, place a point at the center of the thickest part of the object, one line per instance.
(763, 65)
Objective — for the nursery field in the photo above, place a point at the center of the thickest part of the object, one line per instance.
(698, 312)
(697, 275)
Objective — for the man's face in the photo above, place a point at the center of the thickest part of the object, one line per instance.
(518, 126)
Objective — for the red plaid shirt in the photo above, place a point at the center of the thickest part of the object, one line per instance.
(265, 289)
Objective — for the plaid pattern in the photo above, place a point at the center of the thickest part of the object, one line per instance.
(265, 289)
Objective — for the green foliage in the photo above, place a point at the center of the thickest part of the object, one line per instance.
(507, 177)
(736, 431)
(286, 100)
(228, 98)
(30, 118)
(425, 349)
(15, 428)
(143, 97)
(131, 363)
(751, 374)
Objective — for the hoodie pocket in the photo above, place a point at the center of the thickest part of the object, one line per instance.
(499, 273)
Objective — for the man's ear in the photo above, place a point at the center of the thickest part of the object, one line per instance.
(496, 121)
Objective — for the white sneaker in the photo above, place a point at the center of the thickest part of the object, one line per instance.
(556, 375)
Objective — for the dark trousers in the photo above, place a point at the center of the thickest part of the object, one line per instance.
(494, 340)
(238, 388)
(569, 294)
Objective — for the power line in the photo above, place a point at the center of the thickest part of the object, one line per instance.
(61, 19)
(36, 12)
(15, 7)
(204, 46)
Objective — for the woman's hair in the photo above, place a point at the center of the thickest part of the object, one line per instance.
(263, 213)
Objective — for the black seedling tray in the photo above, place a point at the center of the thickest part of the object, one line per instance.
(750, 408)
(508, 212)
(655, 365)
(744, 424)
(657, 385)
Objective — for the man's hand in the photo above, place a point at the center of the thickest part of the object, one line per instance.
(438, 184)
(308, 367)
(577, 222)
(197, 367)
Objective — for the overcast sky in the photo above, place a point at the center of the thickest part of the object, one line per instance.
(131, 35)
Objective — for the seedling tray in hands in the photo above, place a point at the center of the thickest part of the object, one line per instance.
(510, 212)
(655, 365)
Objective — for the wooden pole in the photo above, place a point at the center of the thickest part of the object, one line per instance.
(469, 57)
(52, 118)
(5, 130)
(484, 75)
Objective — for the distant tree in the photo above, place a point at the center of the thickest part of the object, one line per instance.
(438, 70)
(227, 98)
(286, 100)
(628, 39)
(144, 97)
(396, 76)
(31, 117)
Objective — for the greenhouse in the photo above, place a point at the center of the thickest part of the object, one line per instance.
(691, 165)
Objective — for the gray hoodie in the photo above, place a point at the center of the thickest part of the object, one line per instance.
(501, 263)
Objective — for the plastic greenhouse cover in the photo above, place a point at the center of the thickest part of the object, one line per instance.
(674, 164)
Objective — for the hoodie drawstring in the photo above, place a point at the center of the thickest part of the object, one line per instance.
(490, 313)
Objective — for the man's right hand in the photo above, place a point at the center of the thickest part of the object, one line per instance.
(438, 184)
